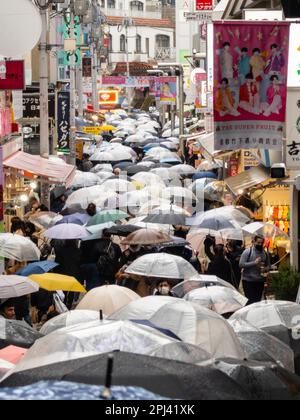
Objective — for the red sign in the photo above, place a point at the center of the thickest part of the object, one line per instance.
(233, 167)
(12, 75)
(108, 97)
(202, 5)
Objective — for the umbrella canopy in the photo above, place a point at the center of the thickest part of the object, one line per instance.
(198, 186)
(85, 196)
(107, 299)
(16, 286)
(138, 221)
(171, 218)
(221, 300)
(190, 322)
(162, 265)
(107, 216)
(70, 391)
(45, 219)
(179, 193)
(39, 267)
(214, 221)
(265, 230)
(90, 339)
(135, 169)
(201, 280)
(84, 179)
(146, 237)
(18, 248)
(196, 237)
(118, 185)
(182, 352)
(111, 156)
(232, 214)
(66, 231)
(69, 319)
(17, 333)
(148, 179)
(166, 174)
(261, 346)
(215, 191)
(53, 282)
(183, 170)
(102, 167)
(76, 218)
(167, 377)
(12, 354)
(122, 230)
(264, 381)
(209, 165)
(72, 209)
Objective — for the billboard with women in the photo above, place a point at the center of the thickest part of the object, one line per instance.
(250, 79)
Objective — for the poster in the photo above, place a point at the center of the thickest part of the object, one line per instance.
(293, 129)
(63, 122)
(250, 78)
(168, 90)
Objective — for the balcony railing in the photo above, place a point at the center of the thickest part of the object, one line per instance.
(133, 13)
(165, 53)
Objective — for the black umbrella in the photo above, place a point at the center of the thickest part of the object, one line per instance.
(166, 377)
(58, 192)
(17, 333)
(135, 169)
(166, 219)
(122, 165)
(123, 230)
(289, 337)
(74, 208)
(264, 381)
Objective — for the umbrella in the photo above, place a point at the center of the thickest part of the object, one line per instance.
(69, 319)
(170, 145)
(263, 347)
(196, 237)
(138, 221)
(18, 248)
(135, 169)
(205, 175)
(161, 206)
(58, 191)
(198, 186)
(45, 219)
(146, 237)
(102, 167)
(84, 179)
(111, 156)
(265, 230)
(182, 352)
(85, 196)
(70, 391)
(179, 193)
(66, 231)
(122, 230)
(190, 322)
(107, 298)
(215, 191)
(76, 218)
(123, 166)
(201, 280)
(171, 218)
(264, 381)
(219, 299)
(17, 333)
(5, 367)
(118, 185)
(53, 282)
(72, 209)
(148, 179)
(90, 339)
(162, 265)
(184, 170)
(16, 286)
(231, 213)
(166, 174)
(12, 354)
(209, 165)
(107, 216)
(170, 378)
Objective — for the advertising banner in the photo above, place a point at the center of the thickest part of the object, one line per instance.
(31, 105)
(12, 75)
(168, 90)
(293, 129)
(250, 79)
(86, 67)
(63, 122)
(204, 5)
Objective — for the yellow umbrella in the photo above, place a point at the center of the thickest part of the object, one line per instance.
(108, 128)
(53, 282)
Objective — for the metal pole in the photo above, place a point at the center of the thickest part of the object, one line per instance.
(79, 82)
(44, 107)
(128, 69)
(181, 109)
(94, 77)
(72, 156)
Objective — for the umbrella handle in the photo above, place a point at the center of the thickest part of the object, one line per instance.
(101, 315)
(107, 394)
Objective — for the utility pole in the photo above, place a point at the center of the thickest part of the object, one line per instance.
(72, 156)
(79, 85)
(94, 76)
(44, 107)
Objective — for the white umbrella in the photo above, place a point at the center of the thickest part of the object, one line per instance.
(145, 163)
(189, 321)
(18, 248)
(196, 237)
(111, 156)
(15, 286)
(84, 179)
(118, 185)
(91, 339)
(183, 169)
(138, 221)
(208, 165)
(107, 298)
(162, 265)
(102, 167)
(198, 186)
(170, 145)
(221, 300)
(179, 193)
(201, 280)
(265, 230)
(85, 196)
(165, 174)
(148, 179)
(45, 219)
(66, 231)
(163, 208)
(69, 319)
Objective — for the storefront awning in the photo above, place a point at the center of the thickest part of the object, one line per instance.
(248, 179)
(36, 165)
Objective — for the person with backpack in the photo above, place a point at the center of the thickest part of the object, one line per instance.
(255, 264)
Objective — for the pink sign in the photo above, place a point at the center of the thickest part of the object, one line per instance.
(250, 77)
(113, 80)
(168, 90)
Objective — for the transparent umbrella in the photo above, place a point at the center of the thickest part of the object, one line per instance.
(216, 190)
(182, 352)
(15, 286)
(266, 230)
(208, 165)
(45, 219)
(84, 179)
(201, 280)
(18, 248)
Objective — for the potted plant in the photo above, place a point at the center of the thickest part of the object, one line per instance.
(285, 284)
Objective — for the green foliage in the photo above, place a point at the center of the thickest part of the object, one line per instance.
(285, 284)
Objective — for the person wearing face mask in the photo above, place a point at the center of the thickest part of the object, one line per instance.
(163, 288)
(255, 264)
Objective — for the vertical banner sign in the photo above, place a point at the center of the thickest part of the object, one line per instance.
(87, 67)
(1, 192)
(204, 5)
(293, 129)
(66, 33)
(250, 79)
(168, 90)
(63, 122)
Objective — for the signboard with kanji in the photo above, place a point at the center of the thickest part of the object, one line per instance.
(204, 5)
(95, 131)
(66, 34)
(31, 105)
(12, 75)
(63, 122)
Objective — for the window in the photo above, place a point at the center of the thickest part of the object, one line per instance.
(103, 4)
(110, 47)
(162, 41)
(137, 6)
(148, 46)
(122, 43)
(111, 4)
(138, 44)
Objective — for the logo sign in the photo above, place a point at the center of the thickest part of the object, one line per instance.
(95, 131)
(108, 97)
(197, 76)
(12, 75)
(198, 16)
(63, 122)
(204, 5)
(31, 105)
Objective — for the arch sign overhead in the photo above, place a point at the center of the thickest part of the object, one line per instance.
(21, 27)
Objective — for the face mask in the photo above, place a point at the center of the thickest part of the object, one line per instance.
(259, 247)
(164, 291)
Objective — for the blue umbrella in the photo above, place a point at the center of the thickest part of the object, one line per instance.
(204, 174)
(76, 218)
(70, 391)
(171, 160)
(39, 267)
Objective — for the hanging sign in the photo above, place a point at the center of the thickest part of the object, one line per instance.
(63, 122)
(12, 75)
